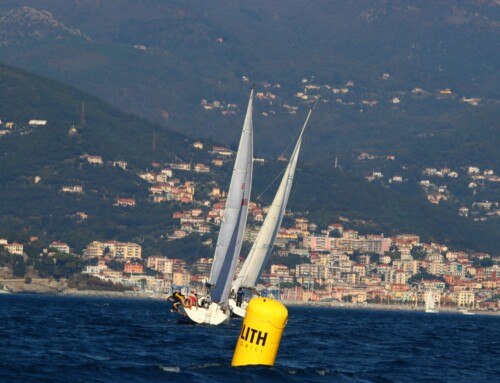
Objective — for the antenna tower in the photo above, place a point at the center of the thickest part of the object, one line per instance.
(82, 114)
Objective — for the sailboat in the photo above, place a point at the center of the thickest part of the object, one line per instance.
(467, 312)
(215, 308)
(429, 303)
(263, 245)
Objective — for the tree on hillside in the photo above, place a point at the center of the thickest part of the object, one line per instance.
(484, 262)
(57, 265)
(418, 252)
(18, 266)
(426, 276)
(14, 261)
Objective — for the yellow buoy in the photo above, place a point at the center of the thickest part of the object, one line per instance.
(261, 332)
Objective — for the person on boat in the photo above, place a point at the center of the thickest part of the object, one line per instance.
(176, 299)
(204, 301)
(194, 298)
(239, 297)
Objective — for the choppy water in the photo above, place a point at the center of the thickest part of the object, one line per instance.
(66, 339)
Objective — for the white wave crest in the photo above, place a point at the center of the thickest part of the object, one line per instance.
(176, 369)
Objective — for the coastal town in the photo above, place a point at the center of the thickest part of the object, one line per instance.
(339, 265)
(309, 263)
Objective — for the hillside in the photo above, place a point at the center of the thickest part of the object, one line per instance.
(159, 60)
(37, 162)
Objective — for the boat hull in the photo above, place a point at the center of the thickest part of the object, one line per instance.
(466, 312)
(237, 311)
(211, 315)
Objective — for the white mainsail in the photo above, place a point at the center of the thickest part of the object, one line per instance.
(263, 245)
(235, 215)
(429, 303)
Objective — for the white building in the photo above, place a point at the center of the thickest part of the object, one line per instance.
(60, 247)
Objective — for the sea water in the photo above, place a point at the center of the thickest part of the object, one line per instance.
(74, 339)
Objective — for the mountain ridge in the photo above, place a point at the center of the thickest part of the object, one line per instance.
(161, 59)
(26, 24)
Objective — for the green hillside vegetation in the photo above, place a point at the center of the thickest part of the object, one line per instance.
(52, 154)
(327, 195)
(28, 207)
(106, 132)
(373, 209)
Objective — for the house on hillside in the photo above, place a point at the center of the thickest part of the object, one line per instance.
(95, 160)
(37, 122)
(14, 248)
(148, 176)
(222, 151)
(72, 189)
(133, 268)
(201, 168)
(120, 164)
(60, 247)
(182, 166)
(125, 202)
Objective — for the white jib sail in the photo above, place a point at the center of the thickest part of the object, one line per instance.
(235, 215)
(263, 245)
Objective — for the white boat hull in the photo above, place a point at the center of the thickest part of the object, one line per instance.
(238, 311)
(466, 312)
(430, 311)
(211, 315)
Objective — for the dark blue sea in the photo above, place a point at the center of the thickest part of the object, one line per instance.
(68, 339)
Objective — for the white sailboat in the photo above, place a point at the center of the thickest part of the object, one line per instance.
(263, 245)
(465, 311)
(215, 308)
(429, 303)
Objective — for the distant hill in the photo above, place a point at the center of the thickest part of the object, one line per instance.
(160, 59)
(38, 161)
(25, 25)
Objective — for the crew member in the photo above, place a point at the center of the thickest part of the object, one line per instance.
(239, 297)
(194, 298)
(177, 298)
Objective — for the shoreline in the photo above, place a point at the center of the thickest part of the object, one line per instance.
(386, 307)
(59, 288)
(50, 287)
(330, 305)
